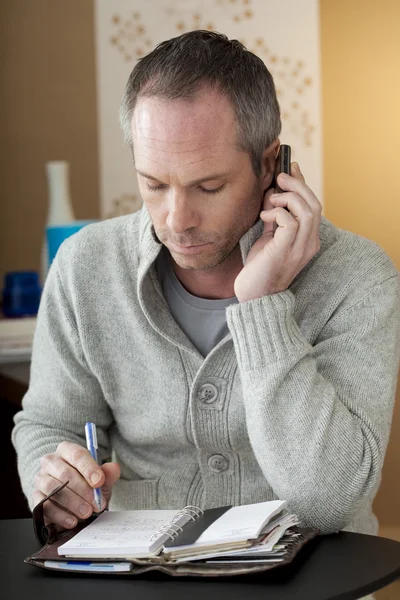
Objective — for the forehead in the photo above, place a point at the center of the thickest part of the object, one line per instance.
(183, 131)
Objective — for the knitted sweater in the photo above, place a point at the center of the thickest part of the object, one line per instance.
(294, 403)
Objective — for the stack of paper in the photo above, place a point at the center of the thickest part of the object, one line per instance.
(265, 545)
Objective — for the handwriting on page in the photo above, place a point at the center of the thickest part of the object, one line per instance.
(119, 528)
(142, 529)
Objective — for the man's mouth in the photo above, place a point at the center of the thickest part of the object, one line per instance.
(187, 249)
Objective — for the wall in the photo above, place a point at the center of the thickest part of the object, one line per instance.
(47, 112)
(360, 47)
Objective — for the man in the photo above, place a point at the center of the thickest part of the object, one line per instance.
(231, 346)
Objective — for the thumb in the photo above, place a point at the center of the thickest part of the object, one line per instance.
(112, 472)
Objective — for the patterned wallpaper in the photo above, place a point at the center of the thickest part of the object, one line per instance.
(283, 33)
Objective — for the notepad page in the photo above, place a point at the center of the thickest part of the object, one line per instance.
(238, 523)
(117, 533)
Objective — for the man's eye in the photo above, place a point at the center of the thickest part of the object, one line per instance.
(157, 188)
(220, 188)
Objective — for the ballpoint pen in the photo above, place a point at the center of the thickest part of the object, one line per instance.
(91, 443)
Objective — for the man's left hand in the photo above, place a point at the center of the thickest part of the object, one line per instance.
(289, 241)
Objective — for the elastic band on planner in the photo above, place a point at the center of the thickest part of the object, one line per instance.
(172, 529)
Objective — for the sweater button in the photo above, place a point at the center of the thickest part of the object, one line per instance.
(208, 393)
(218, 463)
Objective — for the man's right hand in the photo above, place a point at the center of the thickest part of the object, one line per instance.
(73, 463)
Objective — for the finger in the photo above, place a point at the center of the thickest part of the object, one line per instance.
(287, 227)
(287, 183)
(300, 210)
(309, 220)
(53, 513)
(112, 472)
(65, 498)
(80, 458)
(295, 172)
(57, 467)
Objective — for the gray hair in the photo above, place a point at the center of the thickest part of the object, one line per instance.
(178, 68)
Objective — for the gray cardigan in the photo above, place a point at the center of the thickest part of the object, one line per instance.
(294, 403)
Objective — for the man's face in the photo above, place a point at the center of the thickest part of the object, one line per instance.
(199, 189)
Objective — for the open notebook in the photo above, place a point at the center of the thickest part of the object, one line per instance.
(178, 535)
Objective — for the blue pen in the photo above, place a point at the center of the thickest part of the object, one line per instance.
(91, 442)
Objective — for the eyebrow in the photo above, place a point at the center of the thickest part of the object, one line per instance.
(195, 182)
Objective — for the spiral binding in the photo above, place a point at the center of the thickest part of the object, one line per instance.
(187, 512)
(172, 529)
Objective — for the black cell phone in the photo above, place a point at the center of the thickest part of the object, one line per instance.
(282, 165)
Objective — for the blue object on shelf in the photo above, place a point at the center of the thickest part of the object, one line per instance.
(21, 294)
(56, 234)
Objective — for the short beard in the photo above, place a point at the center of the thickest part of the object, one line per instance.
(221, 257)
(224, 253)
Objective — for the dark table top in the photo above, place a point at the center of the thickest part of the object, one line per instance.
(343, 566)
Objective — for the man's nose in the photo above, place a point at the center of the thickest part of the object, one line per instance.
(182, 215)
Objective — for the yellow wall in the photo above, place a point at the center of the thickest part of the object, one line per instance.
(361, 106)
(360, 42)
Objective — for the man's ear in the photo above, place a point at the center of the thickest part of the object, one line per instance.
(268, 164)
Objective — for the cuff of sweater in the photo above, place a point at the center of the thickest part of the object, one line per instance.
(264, 330)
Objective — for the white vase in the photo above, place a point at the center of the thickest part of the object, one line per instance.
(60, 207)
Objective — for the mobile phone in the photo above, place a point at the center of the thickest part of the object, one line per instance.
(282, 165)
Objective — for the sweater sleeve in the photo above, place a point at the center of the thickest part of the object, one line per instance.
(319, 417)
(63, 394)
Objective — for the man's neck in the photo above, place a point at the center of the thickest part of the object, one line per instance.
(213, 284)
